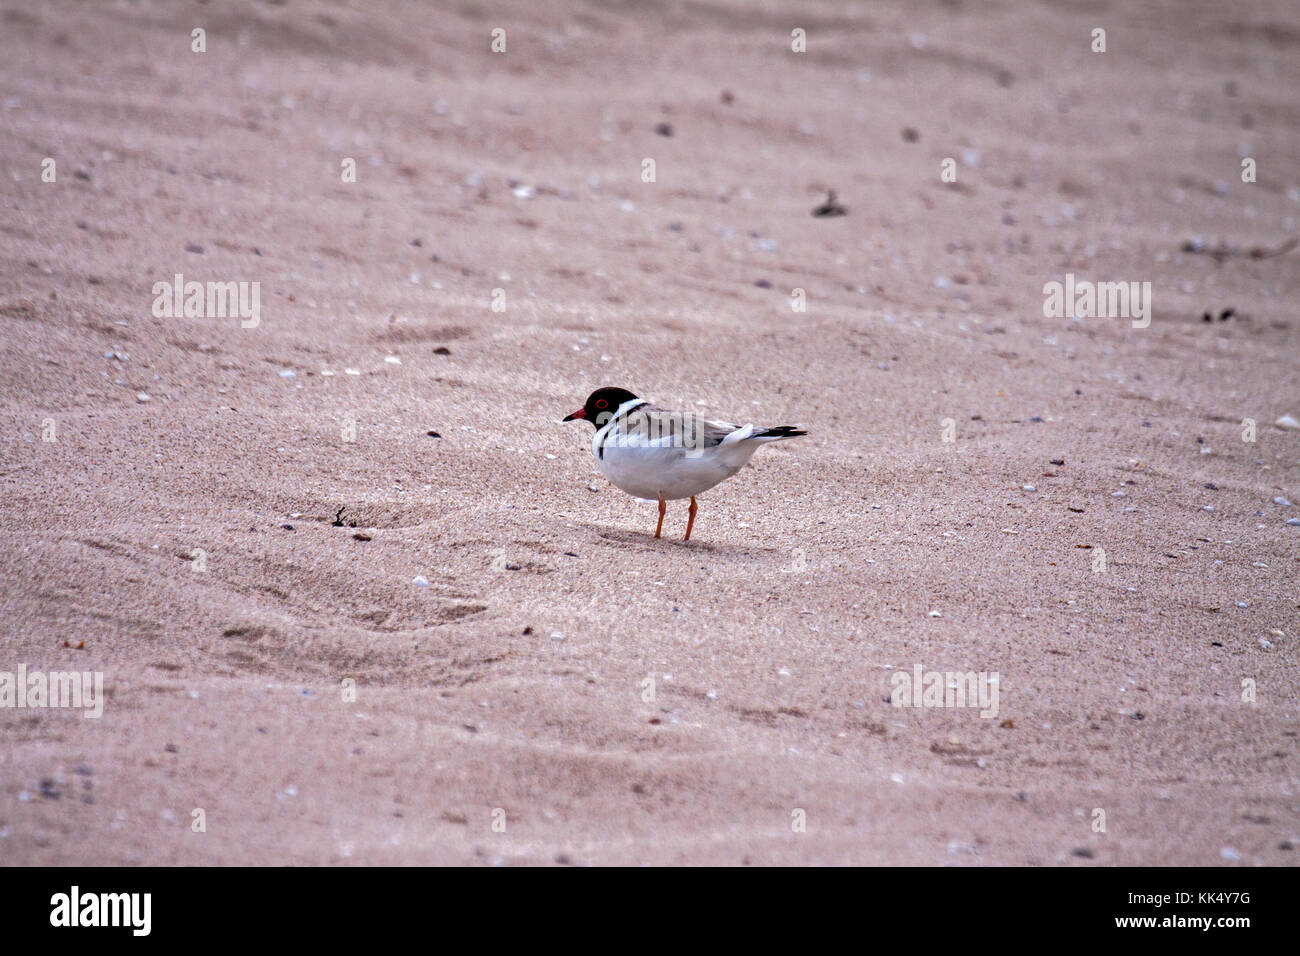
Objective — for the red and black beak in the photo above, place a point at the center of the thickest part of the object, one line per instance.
(580, 413)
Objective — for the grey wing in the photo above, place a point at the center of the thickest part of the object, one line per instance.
(715, 432)
(688, 429)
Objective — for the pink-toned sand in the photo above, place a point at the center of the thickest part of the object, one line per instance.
(517, 679)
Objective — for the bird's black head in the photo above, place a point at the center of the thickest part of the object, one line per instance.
(601, 404)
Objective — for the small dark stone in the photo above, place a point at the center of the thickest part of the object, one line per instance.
(1216, 643)
(910, 135)
(1207, 317)
(563, 859)
(1211, 486)
(762, 283)
(81, 173)
(570, 554)
(528, 630)
(171, 749)
(361, 536)
(471, 728)
(1146, 424)
(514, 567)
(664, 129)
(442, 350)
(1037, 419)
(1083, 852)
(1138, 715)
(728, 97)
(417, 242)
(1058, 461)
(433, 434)
(194, 247)
(287, 527)
(1226, 314)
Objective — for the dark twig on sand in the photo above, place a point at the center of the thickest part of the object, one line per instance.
(1224, 251)
(830, 207)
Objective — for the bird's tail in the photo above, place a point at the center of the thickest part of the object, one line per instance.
(778, 431)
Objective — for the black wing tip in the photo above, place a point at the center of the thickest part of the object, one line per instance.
(783, 431)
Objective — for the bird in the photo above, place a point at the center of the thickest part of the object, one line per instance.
(660, 454)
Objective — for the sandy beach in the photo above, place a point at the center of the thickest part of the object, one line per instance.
(355, 594)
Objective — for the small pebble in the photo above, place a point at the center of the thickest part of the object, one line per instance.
(420, 581)
(1030, 488)
(1282, 501)
(142, 397)
(1293, 522)
(194, 247)
(1287, 421)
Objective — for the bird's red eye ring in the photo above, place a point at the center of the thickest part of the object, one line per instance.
(601, 403)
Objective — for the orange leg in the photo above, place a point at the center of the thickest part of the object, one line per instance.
(663, 506)
(690, 522)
